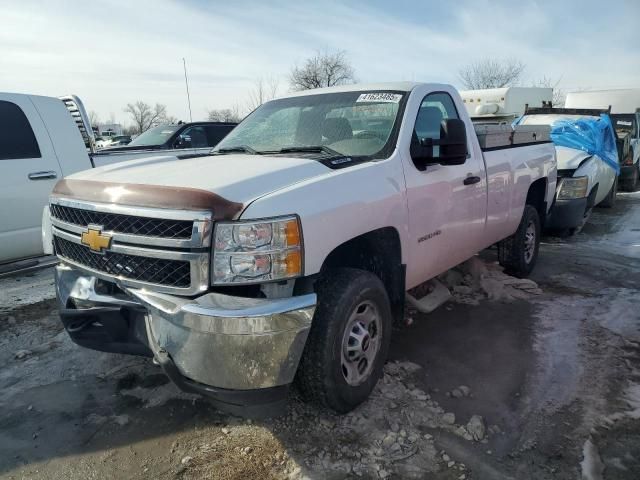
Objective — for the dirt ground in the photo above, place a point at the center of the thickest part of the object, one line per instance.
(508, 380)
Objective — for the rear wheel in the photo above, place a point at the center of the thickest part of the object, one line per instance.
(519, 252)
(348, 342)
(632, 184)
(610, 200)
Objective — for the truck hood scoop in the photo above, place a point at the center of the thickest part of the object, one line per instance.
(166, 181)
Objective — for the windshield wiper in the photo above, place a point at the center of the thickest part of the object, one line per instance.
(311, 149)
(238, 149)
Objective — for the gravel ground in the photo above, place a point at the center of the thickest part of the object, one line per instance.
(509, 380)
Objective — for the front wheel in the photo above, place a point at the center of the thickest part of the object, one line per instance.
(519, 252)
(348, 341)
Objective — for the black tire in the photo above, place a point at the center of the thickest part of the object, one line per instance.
(632, 184)
(610, 200)
(514, 252)
(320, 376)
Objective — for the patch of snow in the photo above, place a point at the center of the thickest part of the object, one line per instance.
(17, 291)
(624, 239)
(591, 464)
(476, 280)
(156, 396)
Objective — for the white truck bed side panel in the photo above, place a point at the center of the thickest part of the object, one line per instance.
(64, 134)
(511, 171)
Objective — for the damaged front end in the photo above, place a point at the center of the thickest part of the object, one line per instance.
(241, 352)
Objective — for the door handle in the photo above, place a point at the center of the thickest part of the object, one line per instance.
(42, 175)
(471, 180)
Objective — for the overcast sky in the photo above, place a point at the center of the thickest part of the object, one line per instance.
(111, 53)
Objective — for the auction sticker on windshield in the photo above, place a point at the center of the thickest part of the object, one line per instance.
(380, 97)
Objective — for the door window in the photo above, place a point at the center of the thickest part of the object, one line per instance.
(198, 137)
(16, 136)
(434, 108)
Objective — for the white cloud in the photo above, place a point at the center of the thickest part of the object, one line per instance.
(130, 51)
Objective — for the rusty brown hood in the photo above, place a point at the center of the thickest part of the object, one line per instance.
(223, 184)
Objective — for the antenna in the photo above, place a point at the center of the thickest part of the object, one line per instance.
(186, 81)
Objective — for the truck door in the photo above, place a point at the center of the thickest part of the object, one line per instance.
(28, 171)
(446, 202)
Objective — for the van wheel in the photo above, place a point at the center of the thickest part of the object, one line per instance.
(610, 200)
(348, 342)
(519, 252)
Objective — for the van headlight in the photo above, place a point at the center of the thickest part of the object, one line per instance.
(257, 251)
(573, 187)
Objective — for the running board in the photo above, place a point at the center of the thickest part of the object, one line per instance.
(431, 301)
(21, 267)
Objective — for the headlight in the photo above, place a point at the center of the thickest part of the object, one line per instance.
(573, 187)
(257, 251)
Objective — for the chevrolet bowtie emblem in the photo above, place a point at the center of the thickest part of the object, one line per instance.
(95, 239)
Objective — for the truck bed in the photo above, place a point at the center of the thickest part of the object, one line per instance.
(496, 136)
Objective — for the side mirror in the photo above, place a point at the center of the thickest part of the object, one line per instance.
(452, 145)
(183, 141)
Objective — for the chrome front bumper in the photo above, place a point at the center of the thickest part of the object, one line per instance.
(214, 340)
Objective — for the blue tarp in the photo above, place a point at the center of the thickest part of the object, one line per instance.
(592, 135)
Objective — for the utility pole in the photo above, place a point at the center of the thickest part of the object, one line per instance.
(186, 82)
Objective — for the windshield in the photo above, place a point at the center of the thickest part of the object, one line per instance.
(358, 124)
(154, 136)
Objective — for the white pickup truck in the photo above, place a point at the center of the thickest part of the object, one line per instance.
(39, 144)
(287, 253)
(43, 139)
(585, 180)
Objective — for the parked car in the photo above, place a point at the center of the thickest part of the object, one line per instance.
(586, 177)
(102, 142)
(493, 105)
(625, 115)
(120, 140)
(288, 252)
(188, 138)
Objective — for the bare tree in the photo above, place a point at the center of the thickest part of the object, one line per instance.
(324, 69)
(144, 116)
(559, 95)
(224, 114)
(94, 119)
(264, 89)
(491, 73)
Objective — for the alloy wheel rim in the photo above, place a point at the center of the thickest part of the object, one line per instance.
(360, 343)
(529, 242)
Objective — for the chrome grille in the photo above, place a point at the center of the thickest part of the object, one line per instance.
(159, 271)
(128, 224)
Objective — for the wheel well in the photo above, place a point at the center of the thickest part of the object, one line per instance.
(591, 198)
(536, 197)
(378, 252)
